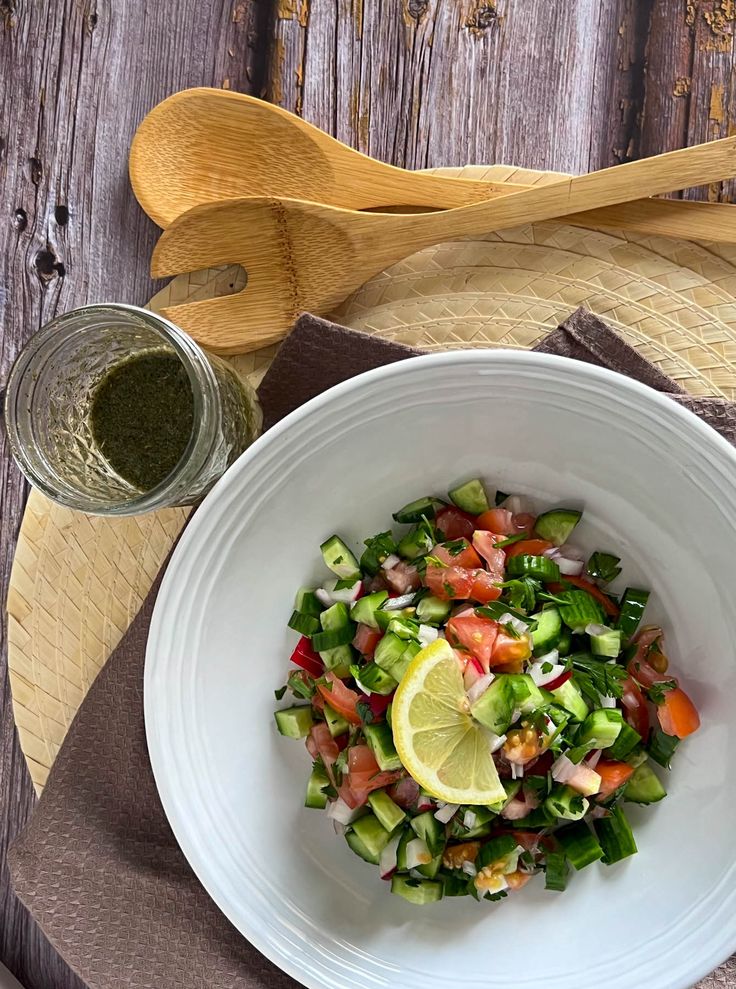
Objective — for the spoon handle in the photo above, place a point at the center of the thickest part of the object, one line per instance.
(699, 165)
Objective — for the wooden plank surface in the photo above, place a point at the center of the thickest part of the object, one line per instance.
(77, 77)
(564, 84)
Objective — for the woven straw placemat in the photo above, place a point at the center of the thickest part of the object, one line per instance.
(77, 580)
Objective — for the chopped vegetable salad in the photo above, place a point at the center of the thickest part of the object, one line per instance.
(478, 706)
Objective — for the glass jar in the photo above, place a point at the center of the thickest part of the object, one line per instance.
(49, 395)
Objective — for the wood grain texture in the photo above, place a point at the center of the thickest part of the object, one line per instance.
(561, 84)
(78, 76)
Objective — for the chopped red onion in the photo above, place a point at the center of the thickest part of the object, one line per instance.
(541, 678)
(339, 811)
(594, 629)
(495, 741)
(339, 828)
(446, 813)
(427, 634)
(324, 597)
(346, 595)
(568, 567)
(417, 853)
(598, 812)
(469, 819)
(396, 604)
(593, 759)
(517, 505)
(469, 868)
(391, 561)
(607, 701)
(516, 623)
(387, 860)
(479, 687)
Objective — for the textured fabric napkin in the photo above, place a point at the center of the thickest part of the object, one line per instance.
(98, 865)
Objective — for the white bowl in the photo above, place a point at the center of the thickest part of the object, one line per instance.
(658, 488)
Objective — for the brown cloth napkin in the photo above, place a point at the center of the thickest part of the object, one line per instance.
(98, 865)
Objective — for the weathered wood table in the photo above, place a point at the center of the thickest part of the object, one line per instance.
(562, 84)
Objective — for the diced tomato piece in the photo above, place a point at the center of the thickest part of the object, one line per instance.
(613, 775)
(364, 774)
(459, 556)
(610, 607)
(455, 524)
(635, 704)
(340, 698)
(497, 520)
(477, 635)
(307, 658)
(529, 547)
(341, 741)
(449, 583)
(484, 587)
(366, 639)
(321, 743)
(485, 543)
(507, 649)
(645, 674)
(403, 578)
(677, 714)
(540, 766)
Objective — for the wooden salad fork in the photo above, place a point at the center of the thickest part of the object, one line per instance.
(206, 145)
(307, 256)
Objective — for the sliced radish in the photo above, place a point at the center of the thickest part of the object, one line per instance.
(339, 811)
(479, 687)
(536, 672)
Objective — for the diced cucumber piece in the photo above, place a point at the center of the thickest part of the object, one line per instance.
(373, 680)
(337, 616)
(372, 833)
(318, 780)
(339, 559)
(566, 803)
(360, 849)
(306, 602)
(625, 744)
(495, 706)
(388, 813)
(644, 787)
(483, 816)
(565, 644)
(604, 567)
(365, 608)
(418, 542)
(384, 618)
(601, 728)
(605, 641)
(304, 624)
(569, 697)
(581, 609)
(405, 628)
(546, 635)
(428, 828)
(417, 891)
(338, 660)
(294, 722)
(335, 722)
(495, 850)
(407, 835)
(579, 845)
(432, 610)
(540, 567)
(615, 837)
(662, 747)
(471, 497)
(378, 547)
(415, 510)
(431, 869)
(394, 655)
(556, 526)
(381, 743)
(555, 871)
(388, 715)
(527, 695)
(633, 604)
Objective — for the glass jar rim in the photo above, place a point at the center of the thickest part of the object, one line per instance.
(207, 412)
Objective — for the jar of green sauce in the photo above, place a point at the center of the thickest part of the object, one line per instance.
(113, 410)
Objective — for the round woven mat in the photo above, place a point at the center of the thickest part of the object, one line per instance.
(77, 580)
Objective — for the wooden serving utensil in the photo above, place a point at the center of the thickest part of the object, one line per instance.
(306, 256)
(207, 145)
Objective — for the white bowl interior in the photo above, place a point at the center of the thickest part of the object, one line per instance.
(657, 488)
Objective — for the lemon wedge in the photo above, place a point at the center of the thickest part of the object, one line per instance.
(443, 748)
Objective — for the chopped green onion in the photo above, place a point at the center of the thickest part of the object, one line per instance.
(511, 540)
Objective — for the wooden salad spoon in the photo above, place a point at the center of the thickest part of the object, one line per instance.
(307, 256)
(206, 145)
